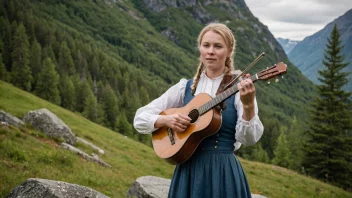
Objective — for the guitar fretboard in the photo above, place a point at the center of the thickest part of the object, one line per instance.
(221, 97)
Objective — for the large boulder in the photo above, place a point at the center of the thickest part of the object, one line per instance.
(43, 188)
(47, 122)
(10, 119)
(155, 187)
(149, 187)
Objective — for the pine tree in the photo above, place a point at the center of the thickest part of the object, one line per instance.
(91, 107)
(67, 93)
(47, 84)
(3, 72)
(65, 63)
(110, 105)
(282, 152)
(328, 151)
(21, 72)
(36, 59)
(123, 126)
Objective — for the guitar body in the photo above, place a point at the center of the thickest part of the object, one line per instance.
(177, 147)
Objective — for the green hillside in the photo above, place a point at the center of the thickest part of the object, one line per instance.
(26, 153)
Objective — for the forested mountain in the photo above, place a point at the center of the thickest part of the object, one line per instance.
(309, 53)
(106, 58)
(287, 44)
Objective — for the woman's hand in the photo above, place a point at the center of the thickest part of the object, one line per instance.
(247, 95)
(177, 122)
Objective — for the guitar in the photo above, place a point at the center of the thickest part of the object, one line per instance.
(177, 147)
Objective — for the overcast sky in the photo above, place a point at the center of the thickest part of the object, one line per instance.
(296, 19)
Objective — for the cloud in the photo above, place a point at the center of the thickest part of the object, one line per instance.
(296, 19)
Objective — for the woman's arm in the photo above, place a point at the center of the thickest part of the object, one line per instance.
(249, 128)
(147, 118)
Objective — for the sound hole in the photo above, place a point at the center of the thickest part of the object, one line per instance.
(194, 115)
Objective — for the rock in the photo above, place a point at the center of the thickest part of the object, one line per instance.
(91, 145)
(43, 188)
(155, 187)
(10, 119)
(47, 122)
(149, 187)
(93, 158)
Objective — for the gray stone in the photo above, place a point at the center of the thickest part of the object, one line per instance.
(43, 188)
(101, 151)
(149, 187)
(10, 119)
(155, 187)
(93, 158)
(48, 123)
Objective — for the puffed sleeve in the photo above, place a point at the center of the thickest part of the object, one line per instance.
(146, 116)
(247, 132)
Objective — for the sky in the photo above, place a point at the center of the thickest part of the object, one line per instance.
(297, 19)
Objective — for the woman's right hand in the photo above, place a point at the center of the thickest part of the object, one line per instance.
(177, 122)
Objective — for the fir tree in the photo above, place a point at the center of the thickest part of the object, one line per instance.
(21, 72)
(91, 107)
(123, 126)
(47, 84)
(328, 151)
(282, 152)
(67, 93)
(36, 59)
(66, 64)
(110, 105)
(3, 72)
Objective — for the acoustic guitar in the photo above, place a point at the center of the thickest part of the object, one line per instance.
(177, 147)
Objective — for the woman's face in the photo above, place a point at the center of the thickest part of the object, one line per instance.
(213, 52)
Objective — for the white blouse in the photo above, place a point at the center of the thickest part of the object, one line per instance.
(247, 132)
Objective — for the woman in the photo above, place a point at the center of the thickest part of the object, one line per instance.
(213, 170)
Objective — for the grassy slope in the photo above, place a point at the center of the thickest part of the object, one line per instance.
(26, 153)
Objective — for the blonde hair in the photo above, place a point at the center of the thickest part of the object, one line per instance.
(229, 39)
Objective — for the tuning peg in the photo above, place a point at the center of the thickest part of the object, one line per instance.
(268, 82)
(276, 80)
(282, 76)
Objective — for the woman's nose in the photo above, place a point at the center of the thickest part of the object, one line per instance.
(211, 50)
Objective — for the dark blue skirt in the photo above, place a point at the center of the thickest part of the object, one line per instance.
(210, 173)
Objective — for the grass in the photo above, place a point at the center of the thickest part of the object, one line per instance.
(26, 153)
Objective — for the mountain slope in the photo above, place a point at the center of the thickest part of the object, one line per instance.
(309, 53)
(143, 47)
(26, 153)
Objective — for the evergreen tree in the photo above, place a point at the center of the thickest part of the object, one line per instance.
(91, 107)
(5, 33)
(296, 139)
(259, 154)
(123, 126)
(3, 72)
(21, 72)
(65, 63)
(47, 84)
(282, 152)
(328, 151)
(67, 93)
(110, 105)
(36, 59)
(82, 94)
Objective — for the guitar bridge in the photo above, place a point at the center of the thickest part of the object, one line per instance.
(171, 136)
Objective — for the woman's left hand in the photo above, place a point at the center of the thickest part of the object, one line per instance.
(247, 95)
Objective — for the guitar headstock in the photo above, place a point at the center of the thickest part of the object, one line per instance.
(271, 72)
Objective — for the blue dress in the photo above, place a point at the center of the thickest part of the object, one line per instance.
(213, 170)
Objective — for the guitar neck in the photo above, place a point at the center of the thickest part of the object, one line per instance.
(221, 97)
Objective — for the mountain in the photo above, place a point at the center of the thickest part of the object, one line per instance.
(309, 53)
(112, 57)
(287, 44)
